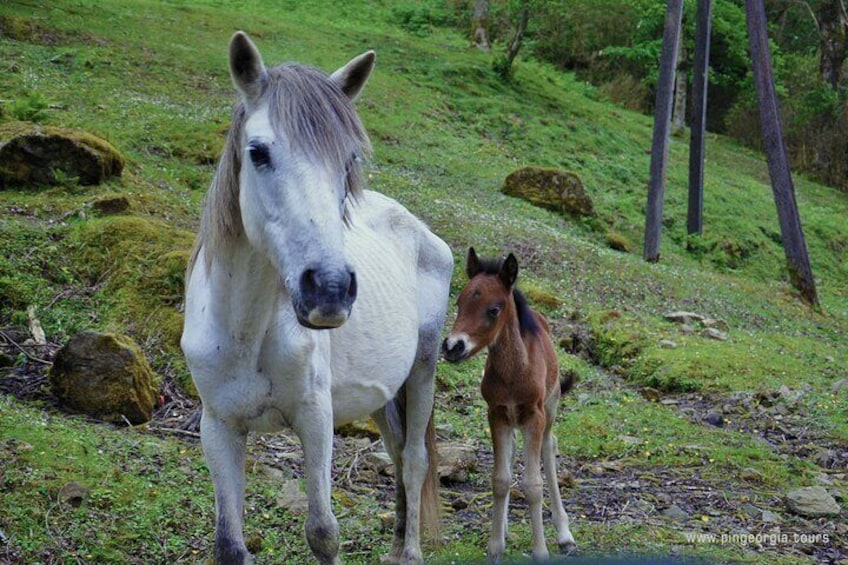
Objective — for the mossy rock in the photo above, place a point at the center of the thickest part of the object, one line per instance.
(618, 242)
(33, 155)
(553, 189)
(106, 376)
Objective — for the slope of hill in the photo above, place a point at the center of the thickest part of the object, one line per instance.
(151, 78)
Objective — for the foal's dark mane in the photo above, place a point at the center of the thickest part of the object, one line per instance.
(526, 320)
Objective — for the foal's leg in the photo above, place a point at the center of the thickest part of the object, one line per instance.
(313, 423)
(564, 538)
(502, 446)
(224, 447)
(533, 430)
(391, 429)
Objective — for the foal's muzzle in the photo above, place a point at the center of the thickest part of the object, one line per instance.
(326, 297)
(454, 351)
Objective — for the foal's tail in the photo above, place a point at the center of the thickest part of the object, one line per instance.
(567, 381)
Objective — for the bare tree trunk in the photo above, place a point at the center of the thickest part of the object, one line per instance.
(697, 145)
(515, 43)
(479, 26)
(833, 33)
(678, 115)
(791, 233)
(662, 125)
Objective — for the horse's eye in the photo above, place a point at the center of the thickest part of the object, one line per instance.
(493, 312)
(259, 154)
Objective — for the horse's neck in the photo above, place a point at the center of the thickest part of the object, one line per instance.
(509, 352)
(246, 287)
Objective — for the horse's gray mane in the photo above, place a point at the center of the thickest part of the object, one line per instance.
(320, 122)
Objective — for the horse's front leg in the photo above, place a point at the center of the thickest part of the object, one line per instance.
(224, 447)
(313, 424)
(502, 446)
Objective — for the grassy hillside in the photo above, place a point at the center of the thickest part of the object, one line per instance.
(151, 78)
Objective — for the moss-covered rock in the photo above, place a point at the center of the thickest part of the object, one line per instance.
(106, 376)
(32, 155)
(618, 242)
(560, 191)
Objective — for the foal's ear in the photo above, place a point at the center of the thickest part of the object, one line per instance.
(472, 264)
(246, 67)
(509, 271)
(352, 77)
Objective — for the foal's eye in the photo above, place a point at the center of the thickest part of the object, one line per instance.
(493, 312)
(259, 154)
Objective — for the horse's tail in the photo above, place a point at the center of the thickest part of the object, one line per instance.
(430, 505)
(567, 381)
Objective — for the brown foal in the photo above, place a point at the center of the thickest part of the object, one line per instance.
(521, 387)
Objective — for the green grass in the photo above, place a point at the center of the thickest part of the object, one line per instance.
(151, 78)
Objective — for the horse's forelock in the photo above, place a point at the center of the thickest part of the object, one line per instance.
(320, 122)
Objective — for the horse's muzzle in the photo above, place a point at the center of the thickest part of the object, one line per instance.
(326, 297)
(454, 352)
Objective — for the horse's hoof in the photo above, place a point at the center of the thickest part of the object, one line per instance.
(567, 548)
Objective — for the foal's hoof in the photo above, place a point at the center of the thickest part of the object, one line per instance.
(567, 548)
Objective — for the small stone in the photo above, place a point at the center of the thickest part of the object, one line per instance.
(378, 461)
(650, 394)
(714, 333)
(812, 502)
(769, 517)
(715, 419)
(675, 513)
(109, 206)
(841, 384)
(683, 317)
(667, 344)
(366, 428)
(254, 544)
(292, 498)
(455, 461)
(73, 494)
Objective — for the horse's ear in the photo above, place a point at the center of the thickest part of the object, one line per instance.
(246, 67)
(472, 264)
(352, 77)
(509, 271)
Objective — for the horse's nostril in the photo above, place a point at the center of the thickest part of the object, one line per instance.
(308, 281)
(351, 289)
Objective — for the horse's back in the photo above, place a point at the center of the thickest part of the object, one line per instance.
(403, 278)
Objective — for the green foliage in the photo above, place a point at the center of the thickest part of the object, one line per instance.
(420, 18)
(31, 107)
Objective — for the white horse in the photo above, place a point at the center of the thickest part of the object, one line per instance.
(289, 245)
